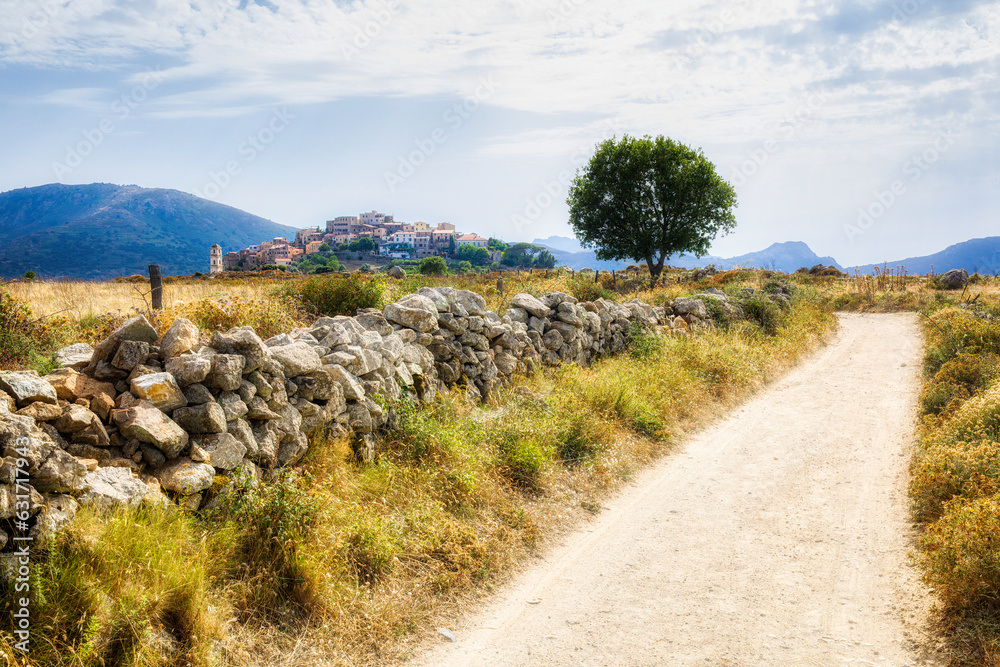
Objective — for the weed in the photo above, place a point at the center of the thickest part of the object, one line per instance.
(337, 294)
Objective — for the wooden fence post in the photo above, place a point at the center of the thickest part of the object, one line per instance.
(156, 286)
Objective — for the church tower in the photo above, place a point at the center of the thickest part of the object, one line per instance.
(215, 259)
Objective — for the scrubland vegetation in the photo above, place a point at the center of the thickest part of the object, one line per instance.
(342, 563)
(335, 562)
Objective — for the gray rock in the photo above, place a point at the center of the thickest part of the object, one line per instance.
(197, 394)
(224, 451)
(185, 477)
(695, 307)
(296, 358)
(26, 387)
(180, 337)
(244, 342)
(130, 354)
(414, 311)
(145, 422)
(530, 304)
(258, 409)
(226, 373)
(60, 473)
(349, 383)
(359, 418)
(189, 369)
(75, 356)
(397, 272)
(204, 418)
(160, 389)
(57, 513)
(240, 429)
(136, 329)
(956, 278)
(111, 488)
(232, 405)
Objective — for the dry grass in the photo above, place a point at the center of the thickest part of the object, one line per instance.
(349, 564)
(77, 300)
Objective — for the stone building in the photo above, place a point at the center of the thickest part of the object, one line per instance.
(215, 259)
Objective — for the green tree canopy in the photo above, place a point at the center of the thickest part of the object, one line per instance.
(363, 244)
(525, 255)
(649, 199)
(475, 256)
(433, 266)
(496, 244)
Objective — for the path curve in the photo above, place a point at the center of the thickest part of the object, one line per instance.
(778, 536)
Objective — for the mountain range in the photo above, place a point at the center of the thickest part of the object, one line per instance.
(785, 257)
(100, 231)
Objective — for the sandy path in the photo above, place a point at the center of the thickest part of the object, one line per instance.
(778, 536)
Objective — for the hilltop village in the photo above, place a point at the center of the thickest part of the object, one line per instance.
(373, 233)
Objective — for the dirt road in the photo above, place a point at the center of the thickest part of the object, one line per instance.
(778, 536)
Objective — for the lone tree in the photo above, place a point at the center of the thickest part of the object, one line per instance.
(648, 199)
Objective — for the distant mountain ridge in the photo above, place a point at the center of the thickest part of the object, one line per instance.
(785, 257)
(101, 230)
(975, 256)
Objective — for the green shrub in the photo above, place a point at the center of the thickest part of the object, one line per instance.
(372, 546)
(520, 459)
(587, 289)
(270, 524)
(578, 440)
(433, 266)
(25, 341)
(762, 311)
(644, 343)
(337, 295)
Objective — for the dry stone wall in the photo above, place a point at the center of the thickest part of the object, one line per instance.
(144, 419)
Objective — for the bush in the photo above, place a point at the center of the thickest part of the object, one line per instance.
(643, 343)
(433, 266)
(271, 522)
(24, 340)
(762, 311)
(337, 295)
(962, 553)
(586, 289)
(520, 459)
(268, 317)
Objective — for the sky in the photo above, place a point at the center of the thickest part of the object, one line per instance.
(868, 129)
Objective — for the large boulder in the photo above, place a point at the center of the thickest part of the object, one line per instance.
(221, 450)
(413, 311)
(75, 356)
(204, 418)
(74, 418)
(111, 488)
(130, 354)
(60, 473)
(189, 369)
(530, 304)
(185, 476)
(160, 389)
(397, 272)
(226, 373)
(695, 307)
(146, 423)
(955, 279)
(26, 387)
(180, 337)
(296, 358)
(244, 342)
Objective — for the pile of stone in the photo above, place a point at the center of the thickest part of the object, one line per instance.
(144, 419)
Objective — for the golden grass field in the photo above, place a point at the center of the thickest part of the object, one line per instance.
(348, 564)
